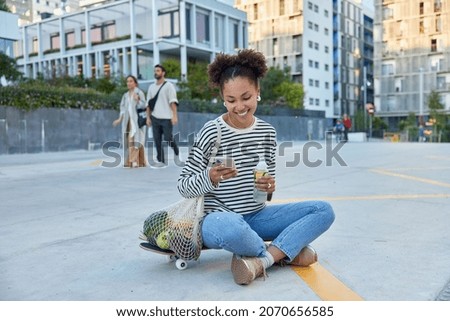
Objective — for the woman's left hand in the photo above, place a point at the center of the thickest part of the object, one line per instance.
(266, 184)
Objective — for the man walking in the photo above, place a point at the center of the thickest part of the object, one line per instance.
(163, 115)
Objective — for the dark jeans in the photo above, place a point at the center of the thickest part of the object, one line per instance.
(346, 133)
(162, 127)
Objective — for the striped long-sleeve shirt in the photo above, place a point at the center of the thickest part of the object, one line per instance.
(245, 146)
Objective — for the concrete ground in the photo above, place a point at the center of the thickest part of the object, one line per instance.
(69, 228)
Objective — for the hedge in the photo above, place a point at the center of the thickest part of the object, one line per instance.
(28, 97)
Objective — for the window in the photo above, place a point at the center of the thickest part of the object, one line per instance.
(236, 35)
(316, 45)
(310, 25)
(327, 85)
(310, 5)
(327, 67)
(202, 24)
(421, 26)
(311, 82)
(35, 45)
(327, 49)
(327, 103)
(310, 44)
(310, 63)
(70, 39)
(219, 29)
(311, 101)
(255, 11)
(326, 31)
(316, 27)
(441, 83)
(275, 47)
(438, 23)
(433, 45)
(387, 69)
(54, 41)
(281, 7)
(168, 23)
(326, 13)
(316, 65)
(316, 8)
(317, 83)
(317, 102)
(104, 31)
(421, 8)
(109, 30)
(188, 24)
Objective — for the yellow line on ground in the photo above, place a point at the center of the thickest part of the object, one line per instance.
(97, 162)
(414, 178)
(364, 197)
(325, 284)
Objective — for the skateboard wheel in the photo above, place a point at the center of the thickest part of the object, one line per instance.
(181, 264)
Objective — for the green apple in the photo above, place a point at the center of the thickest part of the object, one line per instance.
(163, 240)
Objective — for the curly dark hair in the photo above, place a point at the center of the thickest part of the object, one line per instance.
(246, 63)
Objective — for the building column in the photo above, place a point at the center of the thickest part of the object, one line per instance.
(156, 58)
(87, 61)
(125, 61)
(116, 62)
(99, 63)
(183, 49)
(62, 37)
(227, 34)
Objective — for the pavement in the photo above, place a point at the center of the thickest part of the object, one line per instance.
(69, 228)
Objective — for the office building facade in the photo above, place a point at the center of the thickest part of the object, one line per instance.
(130, 37)
(320, 41)
(412, 56)
(9, 33)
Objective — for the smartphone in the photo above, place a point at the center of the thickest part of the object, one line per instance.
(226, 161)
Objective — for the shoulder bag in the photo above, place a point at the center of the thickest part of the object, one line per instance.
(152, 101)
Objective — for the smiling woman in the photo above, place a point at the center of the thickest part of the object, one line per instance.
(235, 220)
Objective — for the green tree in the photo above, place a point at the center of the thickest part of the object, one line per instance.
(359, 122)
(437, 115)
(198, 81)
(3, 6)
(270, 91)
(173, 68)
(410, 125)
(8, 67)
(293, 94)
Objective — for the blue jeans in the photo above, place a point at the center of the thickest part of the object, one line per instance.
(290, 227)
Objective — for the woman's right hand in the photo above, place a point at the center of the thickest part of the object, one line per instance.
(116, 122)
(220, 173)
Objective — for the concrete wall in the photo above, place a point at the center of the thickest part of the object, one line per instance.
(52, 129)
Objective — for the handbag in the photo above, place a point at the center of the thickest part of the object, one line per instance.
(152, 101)
(178, 226)
(142, 116)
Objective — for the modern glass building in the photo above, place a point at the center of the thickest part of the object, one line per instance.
(9, 33)
(321, 41)
(412, 56)
(129, 37)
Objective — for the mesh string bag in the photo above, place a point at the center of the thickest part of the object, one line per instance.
(177, 228)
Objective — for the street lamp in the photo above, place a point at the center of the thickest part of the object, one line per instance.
(420, 95)
(369, 107)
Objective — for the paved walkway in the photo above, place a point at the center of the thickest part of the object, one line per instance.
(69, 228)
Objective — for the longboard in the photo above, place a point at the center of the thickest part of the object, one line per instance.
(153, 248)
